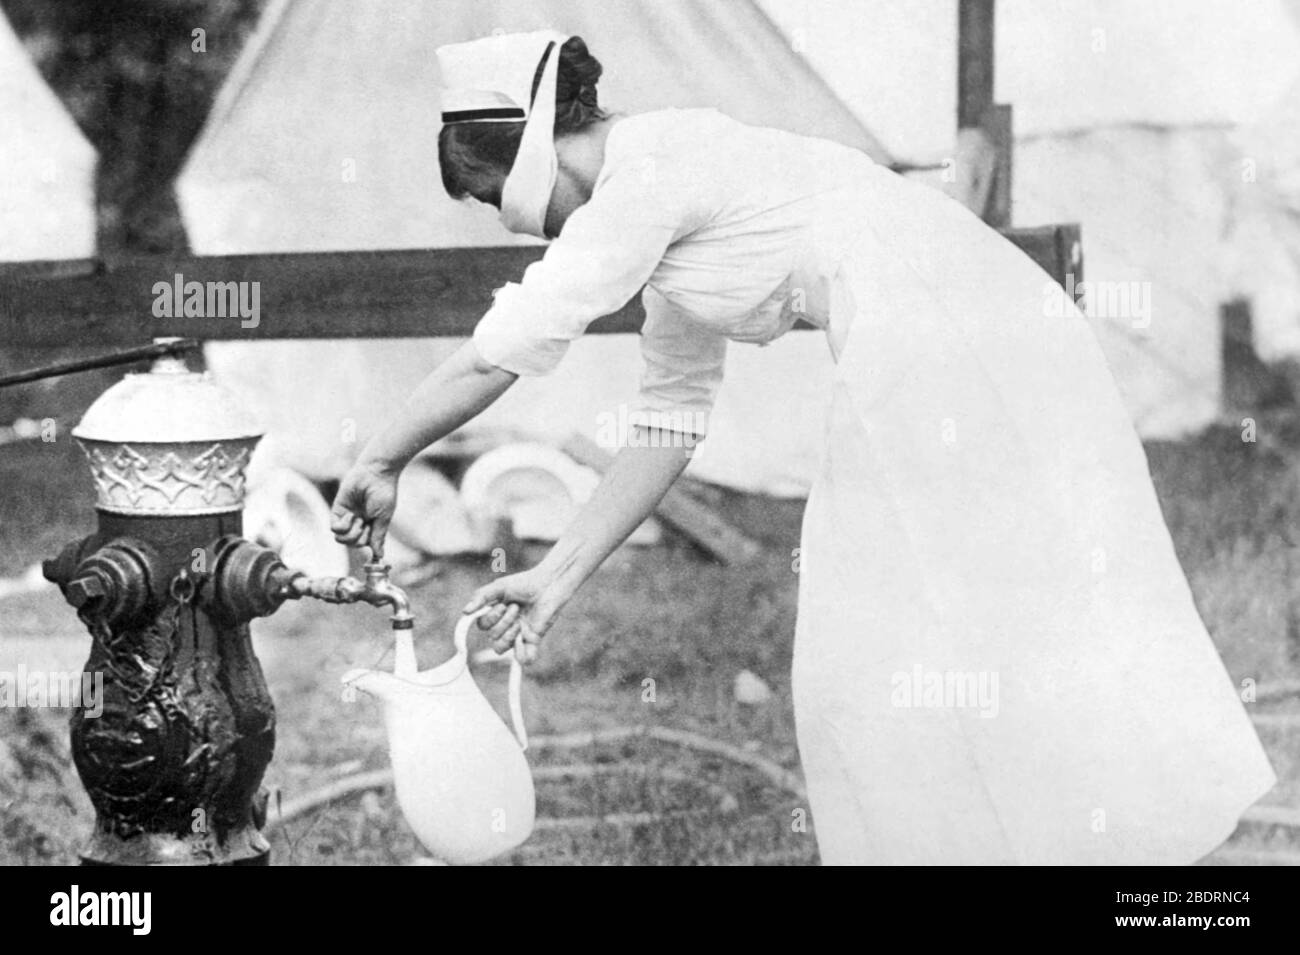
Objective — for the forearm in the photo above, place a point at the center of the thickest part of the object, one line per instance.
(631, 489)
(452, 394)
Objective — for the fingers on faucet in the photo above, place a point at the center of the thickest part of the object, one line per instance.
(347, 530)
(341, 518)
(378, 533)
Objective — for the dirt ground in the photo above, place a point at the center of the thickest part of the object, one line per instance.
(665, 613)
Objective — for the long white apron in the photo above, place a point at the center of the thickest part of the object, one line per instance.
(997, 656)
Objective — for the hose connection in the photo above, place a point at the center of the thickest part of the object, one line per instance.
(250, 581)
(375, 589)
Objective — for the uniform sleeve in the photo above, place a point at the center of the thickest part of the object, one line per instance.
(683, 369)
(607, 251)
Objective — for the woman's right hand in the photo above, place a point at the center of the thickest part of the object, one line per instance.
(364, 505)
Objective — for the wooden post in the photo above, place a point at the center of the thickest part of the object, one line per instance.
(996, 125)
(983, 127)
(974, 61)
(1248, 384)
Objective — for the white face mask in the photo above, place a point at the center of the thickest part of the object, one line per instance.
(526, 195)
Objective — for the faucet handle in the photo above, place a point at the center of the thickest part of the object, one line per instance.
(376, 571)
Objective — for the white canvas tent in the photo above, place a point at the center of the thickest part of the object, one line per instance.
(47, 189)
(1127, 119)
(1265, 237)
(1153, 167)
(324, 138)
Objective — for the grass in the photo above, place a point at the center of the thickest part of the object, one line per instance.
(665, 614)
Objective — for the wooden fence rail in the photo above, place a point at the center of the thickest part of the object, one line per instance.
(390, 294)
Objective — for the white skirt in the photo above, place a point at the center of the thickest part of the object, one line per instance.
(997, 656)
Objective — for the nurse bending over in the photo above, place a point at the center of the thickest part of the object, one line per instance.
(983, 514)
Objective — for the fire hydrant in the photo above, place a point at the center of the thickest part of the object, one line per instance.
(166, 586)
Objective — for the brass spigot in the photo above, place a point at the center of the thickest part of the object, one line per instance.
(249, 580)
(376, 590)
(380, 591)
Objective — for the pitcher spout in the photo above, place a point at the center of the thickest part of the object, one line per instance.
(382, 686)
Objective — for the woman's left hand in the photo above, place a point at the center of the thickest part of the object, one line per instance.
(523, 610)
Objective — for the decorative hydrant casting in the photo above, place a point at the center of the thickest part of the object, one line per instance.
(167, 587)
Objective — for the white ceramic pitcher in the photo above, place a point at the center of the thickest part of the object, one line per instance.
(462, 781)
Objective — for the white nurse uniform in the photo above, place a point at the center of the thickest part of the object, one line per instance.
(997, 656)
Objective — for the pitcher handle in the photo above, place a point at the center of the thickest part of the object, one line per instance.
(513, 687)
(516, 706)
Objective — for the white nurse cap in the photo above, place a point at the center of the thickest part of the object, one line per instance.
(491, 81)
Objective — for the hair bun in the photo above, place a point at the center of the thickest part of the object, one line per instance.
(578, 73)
(577, 103)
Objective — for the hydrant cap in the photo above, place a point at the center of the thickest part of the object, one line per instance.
(167, 408)
(168, 443)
